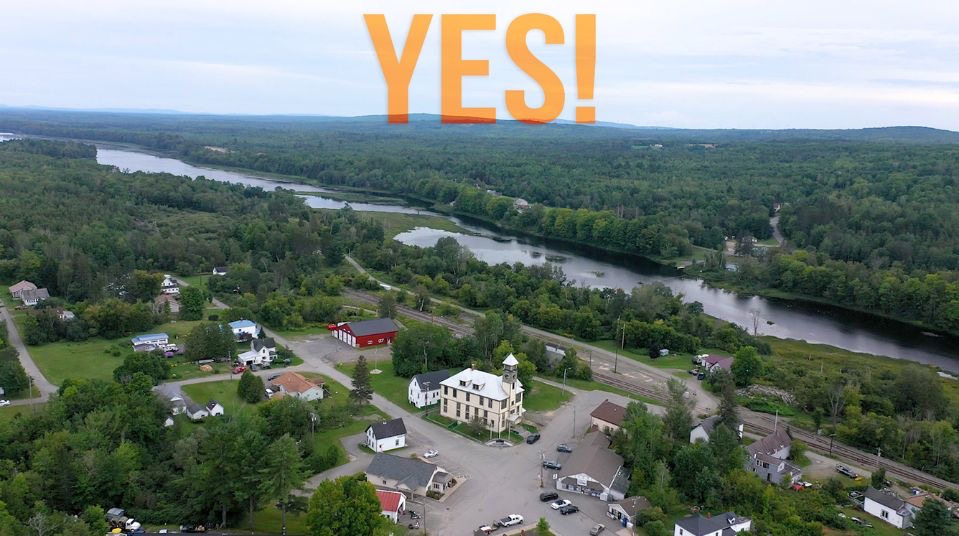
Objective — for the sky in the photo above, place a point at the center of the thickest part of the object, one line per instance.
(677, 63)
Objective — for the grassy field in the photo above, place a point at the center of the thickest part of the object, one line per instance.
(10, 412)
(545, 397)
(395, 223)
(96, 358)
(223, 391)
(387, 384)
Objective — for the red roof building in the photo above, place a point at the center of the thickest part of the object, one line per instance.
(366, 332)
(392, 504)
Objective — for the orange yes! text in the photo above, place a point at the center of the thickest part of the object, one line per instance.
(398, 66)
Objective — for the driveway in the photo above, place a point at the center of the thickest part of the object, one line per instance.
(39, 381)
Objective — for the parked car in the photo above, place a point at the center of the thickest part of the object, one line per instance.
(694, 371)
(254, 368)
(597, 528)
(563, 447)
(485, 529)
(273, 377)
(550, 464)
(4, 403)
(532, 438)
(192, 528)
(431, 453)
(547, 496)
(571, 509)
(239, 370)
(269, 392)
(562, 503)
(842, 469)
(510, 520)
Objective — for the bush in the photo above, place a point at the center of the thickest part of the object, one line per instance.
(433, 494)
(251, 388)
(213, 317)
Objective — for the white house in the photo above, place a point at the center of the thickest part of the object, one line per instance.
(219, 270)
(214, 408)
(889, 508)
(177, 405)
(196, 412)
(31, 297)
(384, 436)
(424, 389)
(169, 285)
(767, 459)
(262, 352)
(718, 525)
(244, 329)
(150, 342)
(294, 384)
(626, 510)
(704, 429)
(392, 504)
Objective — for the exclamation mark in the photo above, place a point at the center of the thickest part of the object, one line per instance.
(585, 66)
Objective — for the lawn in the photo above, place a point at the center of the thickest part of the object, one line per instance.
(195, 280)
(223, 391)
(386, 384)
(10, 412)
(545, 397)
(96, 358)
(679, 361)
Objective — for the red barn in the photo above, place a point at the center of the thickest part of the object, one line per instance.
(366, 332)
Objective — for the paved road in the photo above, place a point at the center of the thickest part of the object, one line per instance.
(39, 380)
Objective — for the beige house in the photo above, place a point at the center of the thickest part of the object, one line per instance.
(607, 417)
(16, 289)
(497, 400)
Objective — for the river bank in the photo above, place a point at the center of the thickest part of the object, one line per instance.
(594, 267)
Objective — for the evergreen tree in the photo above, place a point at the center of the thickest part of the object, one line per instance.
(192, 303)
(282, 473)
(362, 391)
(387, 306)
(250, 388)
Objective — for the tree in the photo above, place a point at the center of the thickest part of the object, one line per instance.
(250, 388)
(210, 341)
(746, 366)
(878, 478)
(281, 473)
(144, 286)
(678, 418)
(362, 391)
(192, 303)
(13, 378)
(728, 414)
(934, 520)
(422, 348)
(726, 450)
(387, 306)
(150, 363)
(346, 505)
(542, 527)
(476, 426)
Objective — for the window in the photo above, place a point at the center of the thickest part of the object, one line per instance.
(490, 400)
(397, 442)
(446, 390)
(467, 397)
(485, 413)
(502, 404)
(885, 514)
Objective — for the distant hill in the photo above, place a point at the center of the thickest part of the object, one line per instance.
(29, 120)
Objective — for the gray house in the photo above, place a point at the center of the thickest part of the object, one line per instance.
(724, 524)
(595, 470)
(767, 458)
(408, 475)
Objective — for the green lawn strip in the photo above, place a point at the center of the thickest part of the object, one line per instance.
(198, 280)
(9, 412)
(269, 521)
(545, 397)
(679, 361)
(463, 430)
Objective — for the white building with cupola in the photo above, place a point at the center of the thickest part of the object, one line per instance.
(497, 400)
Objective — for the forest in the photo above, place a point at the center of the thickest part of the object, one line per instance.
(867, 215)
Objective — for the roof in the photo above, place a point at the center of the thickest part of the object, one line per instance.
(699, 525)
(722, 362)
(770, 444)
(609, 412)
(22, 285)
(389, 500)
(594, 458)
(411, 472)
(34, 294)
(242, 324)
(480, 383)
(632, 505)
(219, 268)
(293, 382)
(165, 298)
(432, 379)
(193, 409)
(388, 428)
(139, 339)
(212, 404)
(372, 327)
(709, 424)
(259, 344)
(510, 360)
(888, 500)
(249, 354)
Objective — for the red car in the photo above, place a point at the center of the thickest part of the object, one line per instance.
(239, 370)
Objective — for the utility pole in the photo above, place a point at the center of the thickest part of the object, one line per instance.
(564, 377)
(542, 458)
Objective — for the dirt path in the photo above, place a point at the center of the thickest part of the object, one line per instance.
(39, 380)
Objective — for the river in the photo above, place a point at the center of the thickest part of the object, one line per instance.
(779, 318)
